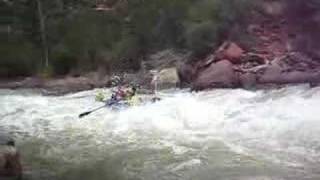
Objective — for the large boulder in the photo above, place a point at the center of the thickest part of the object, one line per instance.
(167, 78)
(171, 64)
(230, 51)
(271, 73)
(10, 162)
(217, 75)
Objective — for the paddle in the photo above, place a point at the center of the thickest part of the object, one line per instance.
(89, 112)
(109, 103)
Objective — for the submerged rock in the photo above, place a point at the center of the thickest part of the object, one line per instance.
(10, 162)
(248, 80)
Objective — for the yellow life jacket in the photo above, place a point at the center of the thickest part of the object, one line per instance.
(133, 101)
(100, 97)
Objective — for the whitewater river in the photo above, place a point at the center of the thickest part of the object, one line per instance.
(216, 135)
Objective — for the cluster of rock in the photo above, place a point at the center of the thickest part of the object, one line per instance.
(231, 67)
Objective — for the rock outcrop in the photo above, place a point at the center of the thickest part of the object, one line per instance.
(250, 70)
(291, 69)
(285, 51)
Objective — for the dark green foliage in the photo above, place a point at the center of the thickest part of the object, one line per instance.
(210, 22)
(80, 38)
(18, 58)
(169, 29)
(127, 53)
(19, 55)
(63, 63)
(201, 37)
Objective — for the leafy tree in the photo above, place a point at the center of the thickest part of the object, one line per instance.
(84, 35)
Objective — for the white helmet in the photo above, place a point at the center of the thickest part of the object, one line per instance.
(115, 80)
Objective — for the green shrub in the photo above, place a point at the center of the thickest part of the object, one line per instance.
(168, 31)
(201, 37)
(46, 72)
(126, 54)
(81, 39)
(63, 63)
(210, 22)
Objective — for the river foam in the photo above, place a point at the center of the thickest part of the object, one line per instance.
(265, 133)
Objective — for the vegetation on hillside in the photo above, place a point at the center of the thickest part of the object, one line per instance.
(59, 37)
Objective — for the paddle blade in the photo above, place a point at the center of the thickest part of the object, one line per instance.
(84, 114)
(89, 112)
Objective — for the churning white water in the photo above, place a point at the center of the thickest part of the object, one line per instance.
(220, 135)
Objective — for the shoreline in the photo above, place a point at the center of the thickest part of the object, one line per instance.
(67, 85)
(54, 86)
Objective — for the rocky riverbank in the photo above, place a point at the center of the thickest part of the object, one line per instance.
(232, 67)
(55, 86)
(228, 67)
(284, 52)
(161, 65)
(281, 54)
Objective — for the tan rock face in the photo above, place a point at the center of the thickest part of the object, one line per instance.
(167, 78)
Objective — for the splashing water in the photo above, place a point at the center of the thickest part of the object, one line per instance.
(221, 134)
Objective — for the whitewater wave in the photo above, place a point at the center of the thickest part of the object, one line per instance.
(278, 126)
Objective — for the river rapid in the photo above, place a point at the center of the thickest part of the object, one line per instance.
(213, 135)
